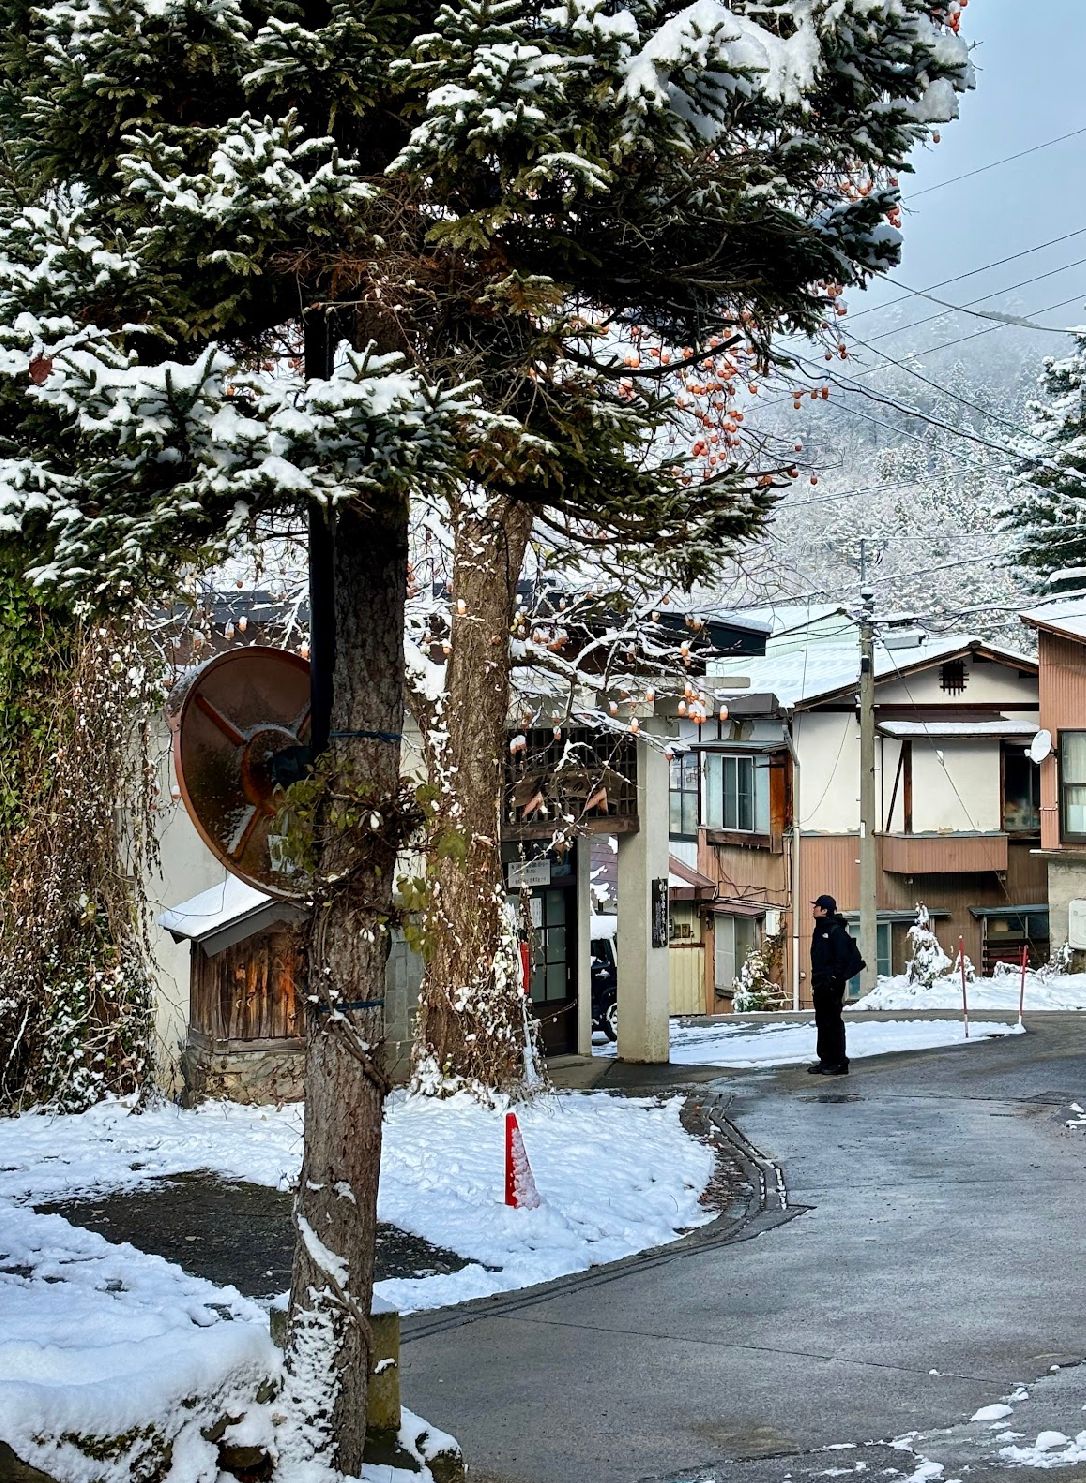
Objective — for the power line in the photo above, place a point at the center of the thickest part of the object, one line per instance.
(850, 384)
(938, 386)
(993, 314)
(818, 371)
(965, 308)
(972, 273)
(994, 164)
(946, 344)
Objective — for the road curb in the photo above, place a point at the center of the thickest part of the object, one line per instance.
(764, 1206)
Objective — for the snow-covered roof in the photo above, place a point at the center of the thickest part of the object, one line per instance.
(214, 917)
(687, 883)
(1063, 615)
(778, 618)
(950, 729)
(798, 671)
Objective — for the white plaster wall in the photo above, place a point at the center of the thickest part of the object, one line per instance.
(961, 792)
(887, 756)
(1066, 882)
(983, 683)
(828, 746)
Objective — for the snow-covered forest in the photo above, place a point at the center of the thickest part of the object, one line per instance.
(909, 473)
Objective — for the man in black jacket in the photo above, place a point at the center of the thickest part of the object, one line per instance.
(832, 951)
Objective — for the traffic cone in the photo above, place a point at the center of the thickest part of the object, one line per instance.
(520, 1190)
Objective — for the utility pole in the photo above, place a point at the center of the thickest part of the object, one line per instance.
(868, 862)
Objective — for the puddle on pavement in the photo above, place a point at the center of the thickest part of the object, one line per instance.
(232, 1232)
(837, 1097)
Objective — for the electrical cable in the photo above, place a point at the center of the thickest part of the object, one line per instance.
(972, 273)
(937, 386)
(914, 324)
(994, 164)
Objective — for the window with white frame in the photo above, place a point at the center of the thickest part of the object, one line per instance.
(1072, 764)
(736, 938)
(685, 778)
(737, 792)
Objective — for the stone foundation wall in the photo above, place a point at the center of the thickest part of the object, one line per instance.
(247, 1076)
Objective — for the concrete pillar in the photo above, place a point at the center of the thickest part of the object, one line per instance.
(584, 945)
(643, 968)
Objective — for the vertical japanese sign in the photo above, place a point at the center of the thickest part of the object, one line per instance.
(659, 912)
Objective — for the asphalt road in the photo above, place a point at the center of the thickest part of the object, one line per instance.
(928, 1261)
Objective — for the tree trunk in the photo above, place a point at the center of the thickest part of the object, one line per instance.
(471, 1030)
(328, 1360)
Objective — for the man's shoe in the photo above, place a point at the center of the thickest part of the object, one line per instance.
(834, 1070)
(816, 1069)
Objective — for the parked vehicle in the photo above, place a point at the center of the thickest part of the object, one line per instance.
(604, 977)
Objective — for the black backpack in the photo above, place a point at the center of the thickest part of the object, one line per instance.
(852, 962)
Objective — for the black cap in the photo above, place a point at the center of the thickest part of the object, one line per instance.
(825, 901)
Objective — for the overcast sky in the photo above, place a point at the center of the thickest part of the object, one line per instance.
(1030, 57)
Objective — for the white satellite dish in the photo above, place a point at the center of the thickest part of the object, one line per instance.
(1041, 746)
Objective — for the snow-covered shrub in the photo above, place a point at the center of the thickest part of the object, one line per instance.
(928, 961)
(755, 986)
(1061, 961)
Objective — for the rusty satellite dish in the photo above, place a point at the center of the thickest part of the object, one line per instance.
(240, 734)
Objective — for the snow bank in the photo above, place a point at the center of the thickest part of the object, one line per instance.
(780, 1044)
(1058, 991)
(99, 1339)
(616, 1175)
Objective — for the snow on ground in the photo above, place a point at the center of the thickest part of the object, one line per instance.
(616, 1174)
(1043, 991)
(724, 1043)
(98, 1337)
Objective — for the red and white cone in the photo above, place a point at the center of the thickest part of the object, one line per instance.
(520, 1190)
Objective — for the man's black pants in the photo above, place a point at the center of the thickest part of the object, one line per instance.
(830, 1046)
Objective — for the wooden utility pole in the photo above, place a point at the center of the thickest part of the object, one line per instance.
(868, 859)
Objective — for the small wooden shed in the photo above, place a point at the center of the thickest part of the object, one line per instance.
(246, 1036)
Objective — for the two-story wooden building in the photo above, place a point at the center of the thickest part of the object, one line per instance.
(1061, 654)
(777, 790)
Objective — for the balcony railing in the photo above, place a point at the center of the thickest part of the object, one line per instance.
(943, 854)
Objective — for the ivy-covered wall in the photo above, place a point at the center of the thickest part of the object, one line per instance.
(75, 987)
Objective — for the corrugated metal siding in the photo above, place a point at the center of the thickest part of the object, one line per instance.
(1062, 707)
(949, 854)
(686, 962)
(830, 863)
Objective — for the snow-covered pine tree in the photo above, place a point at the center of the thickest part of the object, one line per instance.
(491, 190)
(1049, 513)
(655, 194)
(182, 182)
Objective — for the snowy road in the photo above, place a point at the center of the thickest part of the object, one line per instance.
(931, 1268)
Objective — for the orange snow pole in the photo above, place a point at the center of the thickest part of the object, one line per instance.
(1022, 982)
(526, 968)
(965, 1002)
